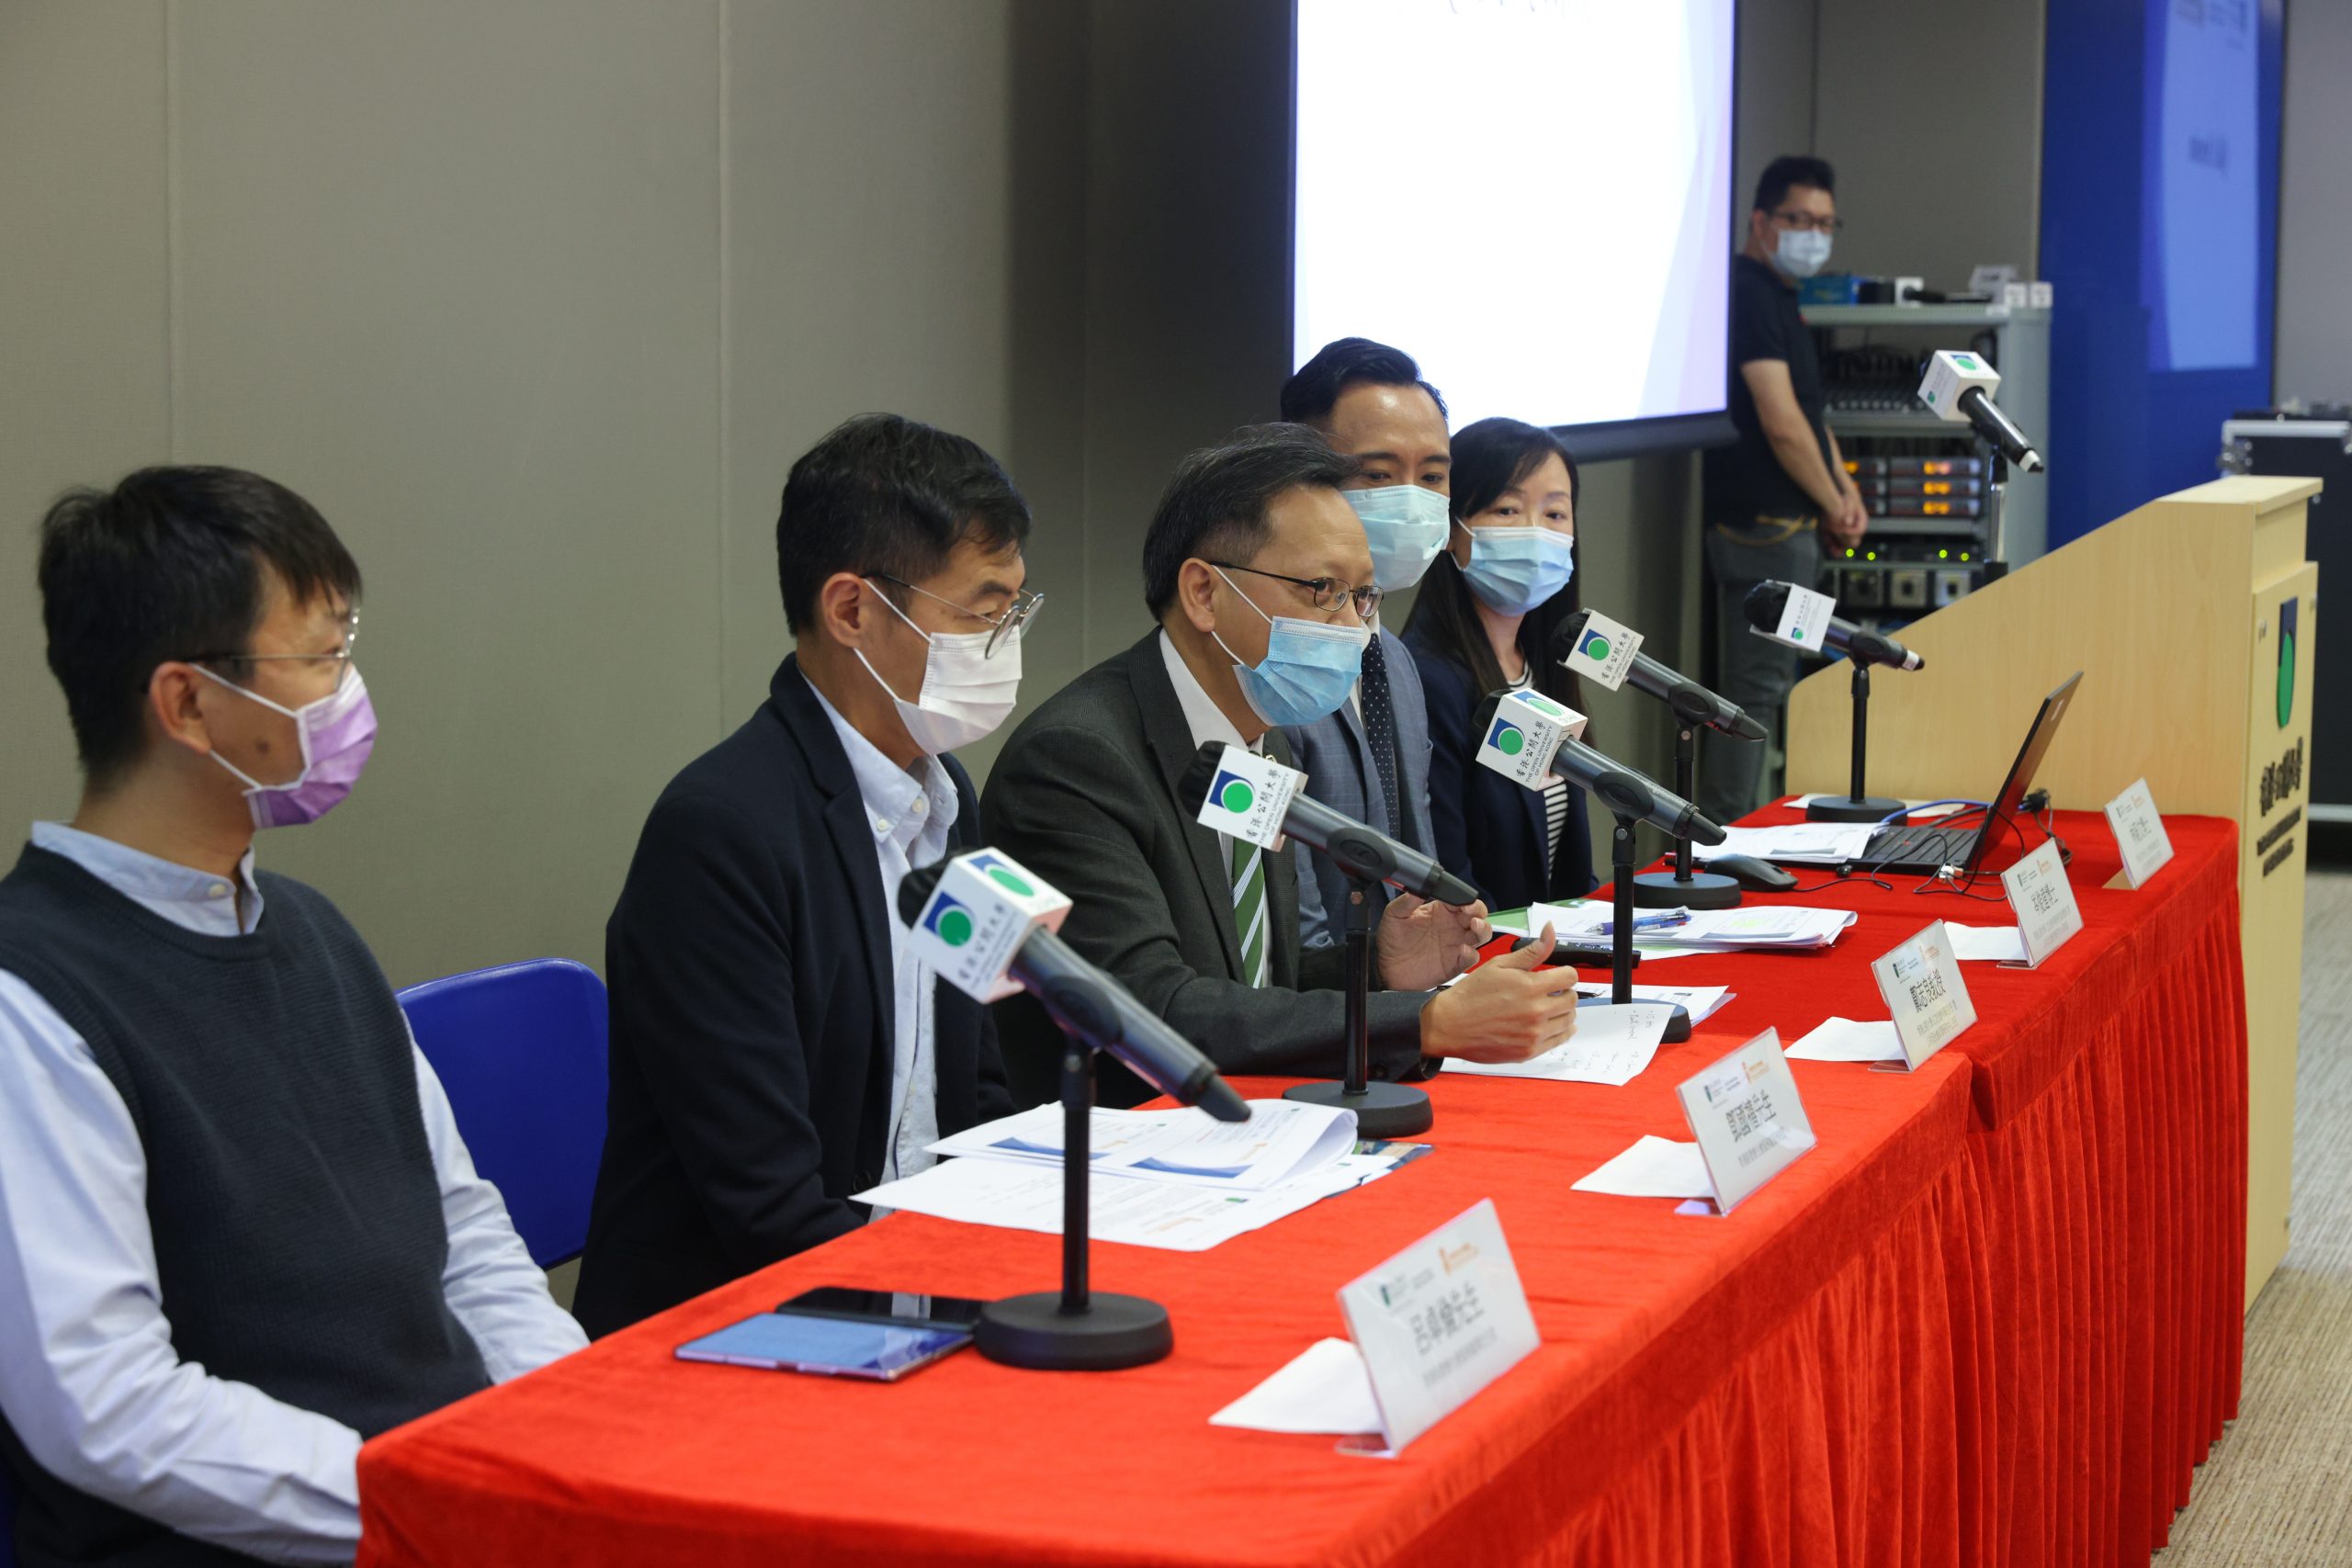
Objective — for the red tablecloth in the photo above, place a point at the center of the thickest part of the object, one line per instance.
(1991, 1318)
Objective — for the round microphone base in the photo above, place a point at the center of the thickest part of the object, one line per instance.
(1705, 890)
(1383, 1109)
(1677, 1027)
(1113, 1332)
(1841, 809)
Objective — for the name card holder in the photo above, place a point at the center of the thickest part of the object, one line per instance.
(1435, 1325)
(1748, 1119)
(2042, 897)
(2139, 834)
(1919, 981)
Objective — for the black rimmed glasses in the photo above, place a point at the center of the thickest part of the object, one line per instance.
(1809, 223)
(1327, 593)
(1019, 613)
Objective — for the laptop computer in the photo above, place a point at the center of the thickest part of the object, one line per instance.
(1925, 849)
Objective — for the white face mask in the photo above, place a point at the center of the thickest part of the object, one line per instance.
(1801, 252)
(967, 694)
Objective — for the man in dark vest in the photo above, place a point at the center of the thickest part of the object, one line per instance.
(239, 1232)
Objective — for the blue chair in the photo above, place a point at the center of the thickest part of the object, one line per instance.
(521, 1050)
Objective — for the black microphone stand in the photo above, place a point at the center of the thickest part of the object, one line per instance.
(1383, 1109)
(1860, 805)
(1621, 937)
(1075, 1328)
(1685, 887)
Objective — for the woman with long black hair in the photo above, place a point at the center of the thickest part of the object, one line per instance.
(1482, 624)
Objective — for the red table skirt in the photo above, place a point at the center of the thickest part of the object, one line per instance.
(1993, 1319)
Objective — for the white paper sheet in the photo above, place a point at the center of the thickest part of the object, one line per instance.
(1764, 926)
(1843, 1040)
(1653, 1168)
(1323, 1389)
(1800, 843)
(1611, 1045)
(1283, 1139)
(2003, 944)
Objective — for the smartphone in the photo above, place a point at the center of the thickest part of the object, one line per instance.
(831, 1347)
(900, 1308)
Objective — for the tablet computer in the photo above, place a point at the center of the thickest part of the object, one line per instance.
(831, 1347)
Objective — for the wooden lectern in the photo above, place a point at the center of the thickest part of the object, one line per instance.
(2192, 620)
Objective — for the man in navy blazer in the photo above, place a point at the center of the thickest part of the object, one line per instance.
(1371, 759)
(774, 1049)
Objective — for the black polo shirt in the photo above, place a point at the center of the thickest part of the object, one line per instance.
(1744, 480)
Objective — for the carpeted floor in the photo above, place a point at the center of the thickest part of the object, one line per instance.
(2277, 1492)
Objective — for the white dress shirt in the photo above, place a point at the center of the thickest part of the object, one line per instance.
(910, 818)
(88, 1375)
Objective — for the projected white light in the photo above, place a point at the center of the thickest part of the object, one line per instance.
(1533, 198)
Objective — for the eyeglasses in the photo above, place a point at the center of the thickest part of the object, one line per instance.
(341, 659)
(1806, 220)
(1023, 610)
(1327, 593)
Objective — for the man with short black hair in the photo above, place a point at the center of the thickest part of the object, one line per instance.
(239, 1231)
(775, 1047)
(1258, 574)
(1783, 483)
(1370, 758)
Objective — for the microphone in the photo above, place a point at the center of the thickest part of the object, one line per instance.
(1959, 387)
(1623, 791)
(1691, 703)
(980, 918)
(1768, 606)
(1257, 798)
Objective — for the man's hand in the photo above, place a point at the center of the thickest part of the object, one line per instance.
(1504, 1010)
(1853, 519)
(1422, 945)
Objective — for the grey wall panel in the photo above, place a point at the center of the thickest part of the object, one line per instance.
(450, 270)
(2314, 330)
(84, 334)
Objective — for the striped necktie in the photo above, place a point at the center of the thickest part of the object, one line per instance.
(1249, 868)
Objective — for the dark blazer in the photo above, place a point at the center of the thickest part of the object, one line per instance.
(1336, 756)
(752, 1019)
(1084, 794)
(1488, 829)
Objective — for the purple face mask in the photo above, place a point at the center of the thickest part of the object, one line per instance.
(337, 732)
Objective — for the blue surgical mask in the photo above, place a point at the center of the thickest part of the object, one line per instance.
(1309, 668)
(1404, 526)
(1803, 252)
(1513, 570)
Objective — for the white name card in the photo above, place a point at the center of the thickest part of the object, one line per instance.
(1249, 797)
(2043, 897)
(1804, 619)
(1525, 735)
(2138, 833)
(1604, 651)
(1745, 1113)
(1921, 985)
(1436, 1324)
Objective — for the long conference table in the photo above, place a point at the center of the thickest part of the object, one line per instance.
(1994, 1318)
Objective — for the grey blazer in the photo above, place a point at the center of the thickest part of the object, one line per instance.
(1337, 760)
(1084, 794)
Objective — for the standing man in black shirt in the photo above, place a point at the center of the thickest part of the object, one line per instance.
(1772, 494)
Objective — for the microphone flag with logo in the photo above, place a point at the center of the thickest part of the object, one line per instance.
(975, 920)
(1250, 797)
(1524, 736)
(1603, 650)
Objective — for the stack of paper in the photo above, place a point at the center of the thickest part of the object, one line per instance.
(1755, 926)
(1798, 843)
(1699, 1001)
(1177, 1179)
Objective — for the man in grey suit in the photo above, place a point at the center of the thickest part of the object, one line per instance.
(1259, 576)
(1370, 758)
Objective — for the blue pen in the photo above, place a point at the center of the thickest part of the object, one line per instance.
(1661, 922)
